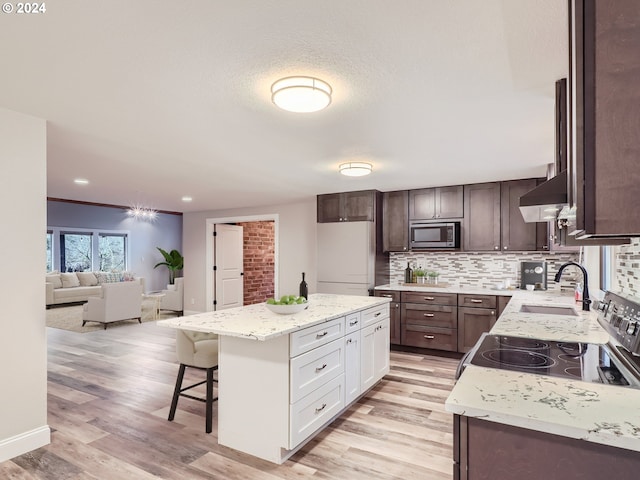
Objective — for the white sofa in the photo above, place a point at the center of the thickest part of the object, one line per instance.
(62, 288)
(119, 301)
(173, 297)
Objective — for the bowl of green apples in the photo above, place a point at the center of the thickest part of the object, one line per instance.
(287, 304)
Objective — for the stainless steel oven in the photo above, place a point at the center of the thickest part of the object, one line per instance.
(425, 235)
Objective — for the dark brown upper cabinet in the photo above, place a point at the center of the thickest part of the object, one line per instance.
(347, 207)
(481, 226)
(516, 234)
(604, 101)
(395, 221)
(436, 203)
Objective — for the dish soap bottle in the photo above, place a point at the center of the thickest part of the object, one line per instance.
(408, 274)
(578, 292)
(304, 289)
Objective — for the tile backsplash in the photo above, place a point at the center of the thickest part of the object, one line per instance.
(627, 278)
(484, 269)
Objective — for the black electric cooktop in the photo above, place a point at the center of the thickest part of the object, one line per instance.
(579, 361)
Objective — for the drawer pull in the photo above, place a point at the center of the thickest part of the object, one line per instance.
(386, 295)
(319, 369)
(379, 327)
(350, 340)
(377, 314)
(429, 298)
(429, 337)
(429, 315)
(318, 410)
(320, 335)
(475, 300)
(352, 323)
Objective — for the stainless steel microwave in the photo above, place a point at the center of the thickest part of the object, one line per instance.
(424, 235)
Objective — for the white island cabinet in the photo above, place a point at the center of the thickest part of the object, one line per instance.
(282, 378)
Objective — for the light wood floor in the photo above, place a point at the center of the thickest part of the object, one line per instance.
(109, 394)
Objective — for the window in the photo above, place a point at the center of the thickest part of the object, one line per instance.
(75, 252)
(80, 250)
(112, 250)
(49, 251)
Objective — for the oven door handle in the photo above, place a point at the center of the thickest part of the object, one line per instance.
(462, 363)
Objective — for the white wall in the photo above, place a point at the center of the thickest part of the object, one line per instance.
(296, 248)
(23, 343)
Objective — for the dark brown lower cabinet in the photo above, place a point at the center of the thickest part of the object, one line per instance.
(473, 322)
(429, 326)
(486, 450)
(394, 314)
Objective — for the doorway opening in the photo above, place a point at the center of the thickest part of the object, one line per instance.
(259, 259)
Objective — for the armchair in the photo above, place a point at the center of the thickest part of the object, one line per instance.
(172, 299)
(120, 301)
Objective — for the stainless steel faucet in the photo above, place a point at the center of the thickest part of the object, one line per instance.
(586, 301)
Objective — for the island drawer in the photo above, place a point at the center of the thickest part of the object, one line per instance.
(304, 340)
(430, 337)
(481, 301)
(374, 314)
(353, 322)
(430, 298)
(429, 315)
(314, 410)
(316, 367)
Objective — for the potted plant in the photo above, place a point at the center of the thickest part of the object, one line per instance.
(173, 260)
(419, 274)
(433, 277)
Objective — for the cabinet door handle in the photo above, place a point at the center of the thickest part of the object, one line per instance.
(475, 300)
(429, 315)
(505, 247)
(320, 335)
(493, 313)
(318, 410)
(350, 340)
(353, 322)
(496, 247)
(429, 298)
(319, 369)
(429, 337)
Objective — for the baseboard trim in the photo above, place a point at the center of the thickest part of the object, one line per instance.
(25, 442)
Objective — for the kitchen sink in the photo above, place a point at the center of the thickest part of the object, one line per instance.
(548, 310)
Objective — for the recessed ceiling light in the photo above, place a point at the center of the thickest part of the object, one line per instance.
(355, 169)
(81, 181)
(186, 198)
(301, 94)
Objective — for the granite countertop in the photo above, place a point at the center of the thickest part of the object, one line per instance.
(583, 327)
(258, 323)
(590, 411)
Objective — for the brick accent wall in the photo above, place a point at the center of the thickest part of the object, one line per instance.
(259, 254)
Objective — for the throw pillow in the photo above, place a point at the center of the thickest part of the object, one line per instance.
(69, 280)
(108, 277)
(87, 279)
(55, 279)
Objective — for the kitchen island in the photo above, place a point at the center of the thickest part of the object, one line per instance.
(283, 378)
(521, 425)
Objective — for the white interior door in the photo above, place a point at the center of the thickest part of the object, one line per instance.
(227, 264)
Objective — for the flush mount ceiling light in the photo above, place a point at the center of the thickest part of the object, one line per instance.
(355, 169)
(301, 94)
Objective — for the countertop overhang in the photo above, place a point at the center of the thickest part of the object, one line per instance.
(256, 322)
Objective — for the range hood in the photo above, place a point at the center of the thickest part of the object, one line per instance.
(543, 203)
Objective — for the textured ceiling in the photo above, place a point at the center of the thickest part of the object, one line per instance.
(153, 99)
